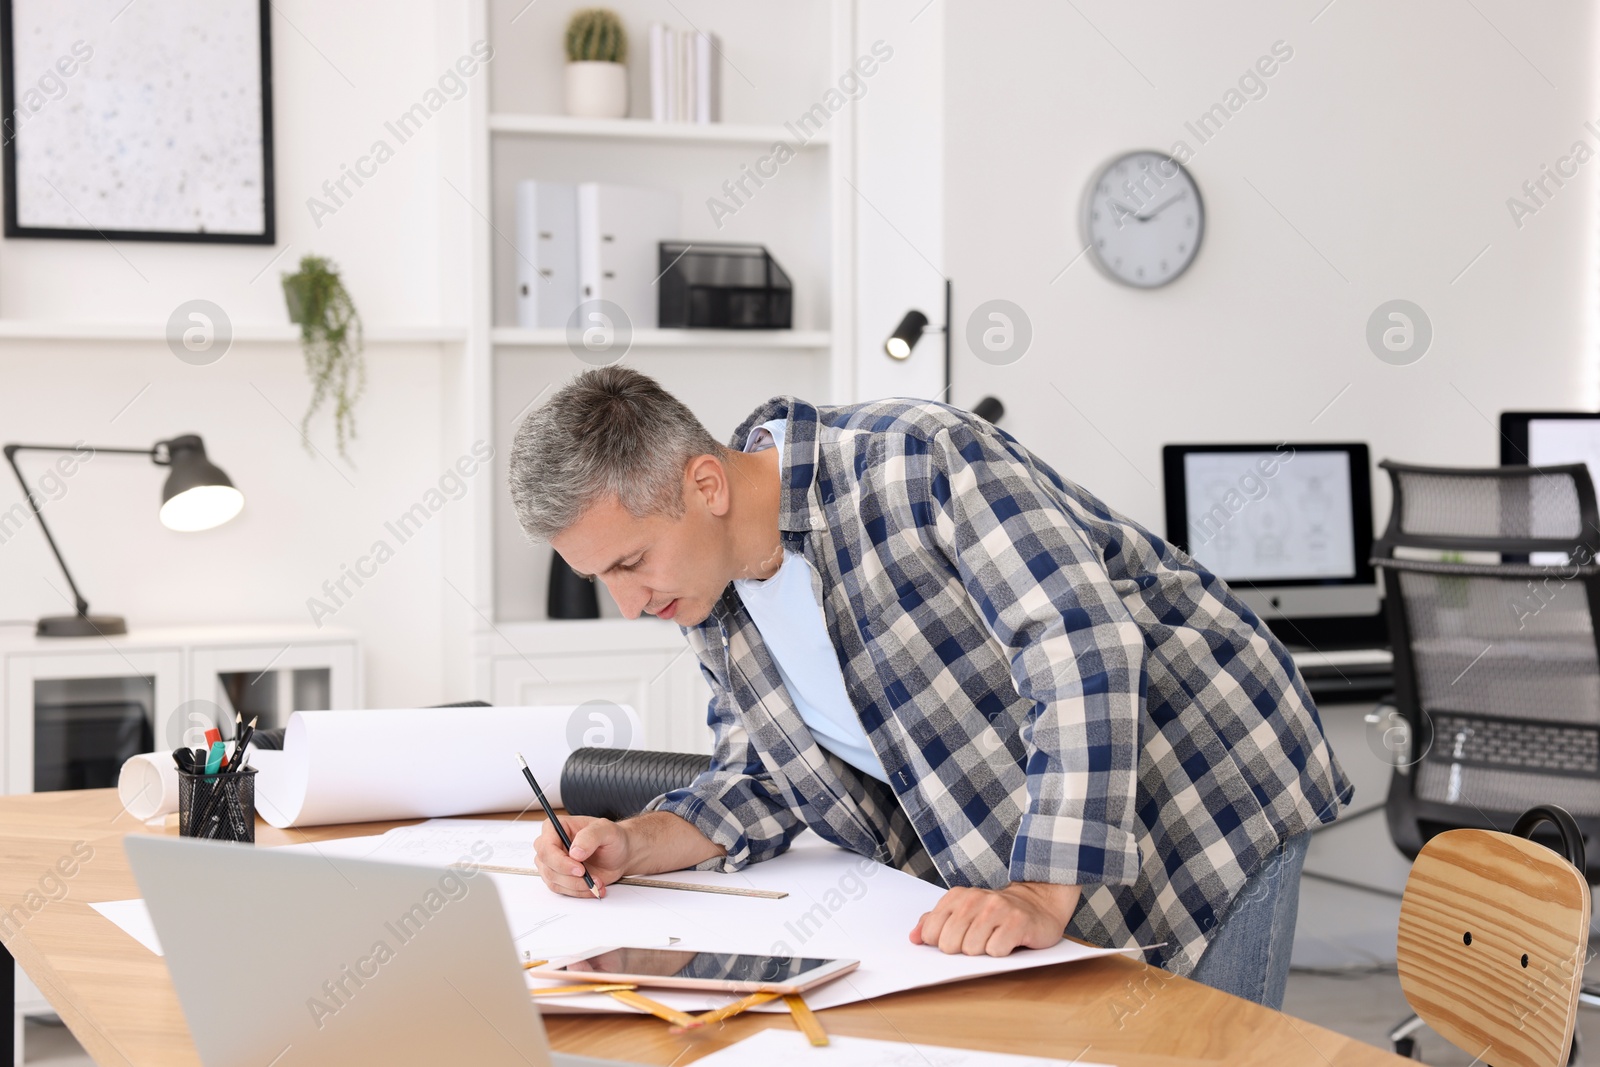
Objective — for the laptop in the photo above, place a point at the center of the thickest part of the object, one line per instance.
(294, 959)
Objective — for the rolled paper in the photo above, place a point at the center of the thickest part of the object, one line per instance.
(420, 763)
(148, 785)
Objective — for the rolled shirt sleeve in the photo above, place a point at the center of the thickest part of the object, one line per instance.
(1075, 651)
(734, 803)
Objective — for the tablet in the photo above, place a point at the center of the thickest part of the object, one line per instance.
(687, 969)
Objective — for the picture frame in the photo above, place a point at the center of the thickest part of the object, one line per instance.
(107, 135)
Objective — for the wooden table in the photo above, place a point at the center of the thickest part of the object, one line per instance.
(118, 1001)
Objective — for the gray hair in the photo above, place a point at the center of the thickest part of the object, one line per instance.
(608, 432)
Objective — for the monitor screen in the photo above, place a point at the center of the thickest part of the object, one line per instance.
(1273, 515)
(1261, 517)
(1547, 439)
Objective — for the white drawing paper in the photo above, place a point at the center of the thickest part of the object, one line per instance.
(360, 766)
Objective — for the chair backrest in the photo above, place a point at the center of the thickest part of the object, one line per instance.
(1497, 670)
(1493, 937)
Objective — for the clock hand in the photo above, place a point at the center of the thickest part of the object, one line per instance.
(1164, 205)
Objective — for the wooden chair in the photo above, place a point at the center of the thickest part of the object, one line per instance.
(1494, 933)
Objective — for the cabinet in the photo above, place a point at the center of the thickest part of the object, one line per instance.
(72, 709)
(804, 215)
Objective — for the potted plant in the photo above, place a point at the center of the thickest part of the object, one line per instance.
(330, 337)
(597, 75)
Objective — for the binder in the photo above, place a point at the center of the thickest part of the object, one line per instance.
(619, 229)
(547, 253)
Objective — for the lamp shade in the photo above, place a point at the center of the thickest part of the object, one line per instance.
(989, 409)
(906, 335)
(198, 495)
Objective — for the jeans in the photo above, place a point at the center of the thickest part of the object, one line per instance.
(1249, 956)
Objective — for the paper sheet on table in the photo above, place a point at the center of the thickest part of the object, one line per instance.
(358, 766)
(777, 1048)
(840, 906)
(133, 919)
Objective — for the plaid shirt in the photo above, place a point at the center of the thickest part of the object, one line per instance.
(1057, 694)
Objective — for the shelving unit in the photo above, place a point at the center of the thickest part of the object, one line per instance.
(645, 130)
(512, 336)
(805, 215)
(265, 333)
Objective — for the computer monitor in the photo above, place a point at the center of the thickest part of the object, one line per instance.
(1548, 438)
(1287, 526)
(1545, 438)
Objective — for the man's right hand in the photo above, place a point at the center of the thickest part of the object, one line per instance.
(645, 844)
(598, 845)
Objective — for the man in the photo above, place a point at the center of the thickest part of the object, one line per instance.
(929, 648)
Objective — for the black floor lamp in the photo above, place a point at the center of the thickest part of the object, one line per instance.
(197, 496)
(910, 331)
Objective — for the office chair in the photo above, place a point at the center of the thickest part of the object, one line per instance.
(1493, 934)
(1496, 665)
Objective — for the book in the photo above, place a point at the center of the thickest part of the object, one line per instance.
(685, 75)
(658, 72)
(707, 83)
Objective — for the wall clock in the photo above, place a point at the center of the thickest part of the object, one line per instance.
(1142, 219)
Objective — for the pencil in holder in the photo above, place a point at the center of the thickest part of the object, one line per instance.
(218, 807)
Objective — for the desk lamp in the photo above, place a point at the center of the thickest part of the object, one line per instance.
(197, 496)
(905, 337)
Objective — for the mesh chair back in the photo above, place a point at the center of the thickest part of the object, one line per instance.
(1491, 588)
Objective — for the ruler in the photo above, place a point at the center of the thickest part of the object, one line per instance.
(649, 883)
(695, 887)
(808, 1023)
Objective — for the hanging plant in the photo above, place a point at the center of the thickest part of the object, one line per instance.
(330, 337)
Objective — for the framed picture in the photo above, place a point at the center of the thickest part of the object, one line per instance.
(142, 120)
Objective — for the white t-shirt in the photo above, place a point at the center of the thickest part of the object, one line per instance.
(786, 611)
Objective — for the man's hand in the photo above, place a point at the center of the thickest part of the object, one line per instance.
(598, 845)
(645, 844)
(975, 922)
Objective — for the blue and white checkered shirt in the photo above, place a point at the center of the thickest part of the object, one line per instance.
(1057, 694)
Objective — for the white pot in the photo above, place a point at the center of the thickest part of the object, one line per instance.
(597, 90)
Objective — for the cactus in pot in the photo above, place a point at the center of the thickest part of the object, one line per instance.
(596, 75)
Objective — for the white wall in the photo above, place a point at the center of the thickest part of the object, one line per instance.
(899, 206)
(1386, 147)
(339, 71)
(1390, 141)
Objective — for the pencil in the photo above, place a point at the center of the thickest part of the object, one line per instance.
(728, 1011)
(656, 1008)
(550, 813)
(580, 989)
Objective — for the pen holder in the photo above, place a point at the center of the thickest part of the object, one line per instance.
(218, 807)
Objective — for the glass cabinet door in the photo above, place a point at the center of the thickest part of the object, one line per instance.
(85, 728)
(270, 697)
(72, 717)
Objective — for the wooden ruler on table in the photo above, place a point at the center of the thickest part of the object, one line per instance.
(649, 883)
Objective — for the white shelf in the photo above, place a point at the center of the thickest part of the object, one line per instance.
(644, 130)
(270, 333)
(514, 336)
